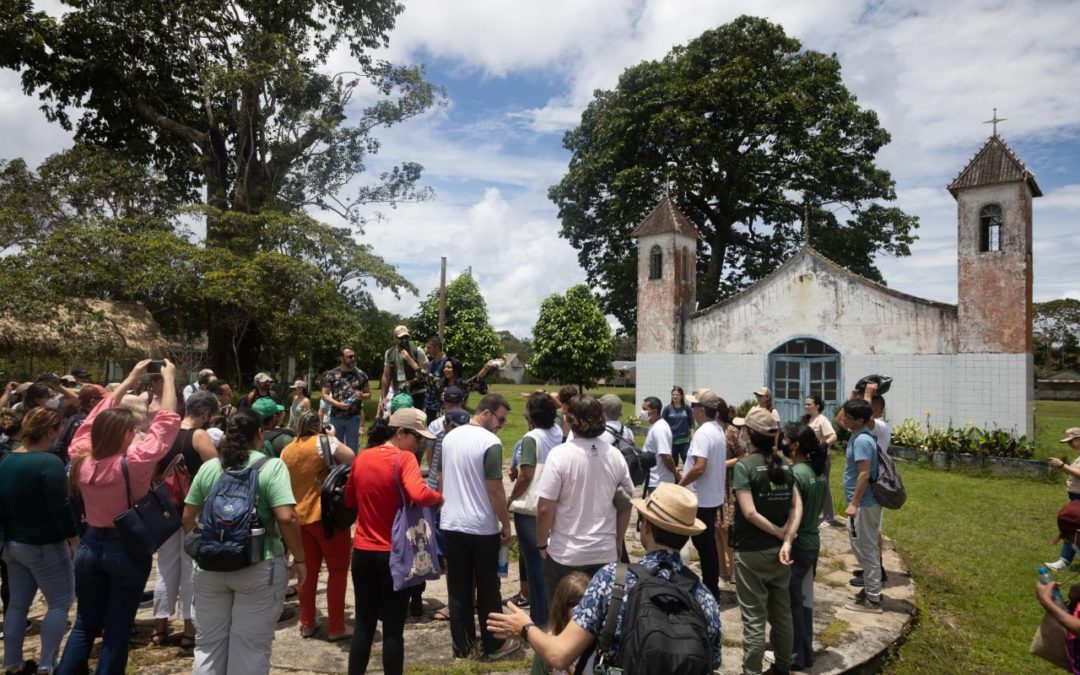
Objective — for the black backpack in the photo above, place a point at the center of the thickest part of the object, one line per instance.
(335, 515)
(638, 462)
(664, 629)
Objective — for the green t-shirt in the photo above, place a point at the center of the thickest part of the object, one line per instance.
(528, 451)
(812, 490)
(275, 489)
(771, 501)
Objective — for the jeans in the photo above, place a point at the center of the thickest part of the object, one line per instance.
(109, 583)
(335, 552)
(468, 557)
(30, 567)
(347, 430)
(801, 591)
(235, 615)
(1067, 551)
(705, 543)
(375, 598)
(762, 592)
(525, 526)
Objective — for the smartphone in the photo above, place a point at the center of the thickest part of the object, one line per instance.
(154, 366)
(851, 527)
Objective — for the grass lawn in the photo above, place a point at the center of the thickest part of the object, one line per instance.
(973, 544)
(1052, 418)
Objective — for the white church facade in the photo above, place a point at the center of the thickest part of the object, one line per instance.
(814, 327)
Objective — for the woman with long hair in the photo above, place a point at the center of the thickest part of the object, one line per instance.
(109, 580)
(567, 595)
(678, 416)
(301, 403)
(541, 438)
(174, 571)
(826, 436)
(801, 446)
(235, 612)
(39, 539)
(307, 468)
(378, 478)
(767, 516)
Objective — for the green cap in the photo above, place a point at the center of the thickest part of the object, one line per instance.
(400, 401)
(266, 407)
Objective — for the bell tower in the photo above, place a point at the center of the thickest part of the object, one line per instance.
(666, 280)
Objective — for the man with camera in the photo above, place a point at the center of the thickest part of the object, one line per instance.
(403, 367)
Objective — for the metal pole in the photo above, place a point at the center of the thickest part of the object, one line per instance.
(442, 299)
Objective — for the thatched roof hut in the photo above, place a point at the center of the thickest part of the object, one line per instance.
(110, 329)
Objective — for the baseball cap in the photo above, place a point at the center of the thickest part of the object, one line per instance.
(762, 421)
(762, 391)
(401, 331)
(459, 417)
(401, 401)
(299, 384)
(81, 373)
(1071, 433)
(263, 377)
(453, 395)
(411, 418)
(266, 407)
(705, 397)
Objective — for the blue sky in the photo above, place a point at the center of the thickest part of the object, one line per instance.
(518, 74)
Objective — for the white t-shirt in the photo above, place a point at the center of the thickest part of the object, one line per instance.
(822, 427)
(658, 440)
(883, 433)
(609, 436)
(581, 477)
(709, 443)
(467, 461)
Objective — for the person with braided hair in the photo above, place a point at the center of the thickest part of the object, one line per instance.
(235, 612)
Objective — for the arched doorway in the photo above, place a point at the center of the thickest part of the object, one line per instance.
(800, 367)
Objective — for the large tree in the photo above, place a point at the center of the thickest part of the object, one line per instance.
(572, 341)
(231, 100)
(469, 336)
(1056, 333)
(747, 132)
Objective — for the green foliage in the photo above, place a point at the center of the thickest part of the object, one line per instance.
(232, 104)
(962, 440)
(1056, 333)
(745, 406)
(469, 336)
(750, 131)
(572, 341)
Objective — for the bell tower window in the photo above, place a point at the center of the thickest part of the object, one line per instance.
(685, 265)
(656, 263)
(990, 228)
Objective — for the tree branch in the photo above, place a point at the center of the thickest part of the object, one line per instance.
(170, 125)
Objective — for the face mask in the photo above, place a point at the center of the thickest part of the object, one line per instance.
(53, 403)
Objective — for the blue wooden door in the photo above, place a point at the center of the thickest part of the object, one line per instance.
(799, 368)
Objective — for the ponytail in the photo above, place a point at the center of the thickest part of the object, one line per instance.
(239, 436)
(776, 467)
(816, 452)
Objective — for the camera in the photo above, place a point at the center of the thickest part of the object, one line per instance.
(154, 367)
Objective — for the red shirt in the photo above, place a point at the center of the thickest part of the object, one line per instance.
(373, 491)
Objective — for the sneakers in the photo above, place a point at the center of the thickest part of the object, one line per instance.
(1058, 565)
(510, 647)
(769, 657)
(522, 603)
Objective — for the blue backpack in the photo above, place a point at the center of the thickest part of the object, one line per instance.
(225, 542)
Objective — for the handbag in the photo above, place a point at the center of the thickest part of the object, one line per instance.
(526, 503)
(414, 553)
(1049, 642)
(148, 523)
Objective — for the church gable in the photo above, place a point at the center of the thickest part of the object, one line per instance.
(810, 295)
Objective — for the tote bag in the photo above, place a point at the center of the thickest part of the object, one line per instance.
(414, 554)
(526, 503)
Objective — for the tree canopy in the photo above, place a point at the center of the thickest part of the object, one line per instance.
(469, 336)
(1056, 333)
(747, 131)
(231, 103)
(572, 341)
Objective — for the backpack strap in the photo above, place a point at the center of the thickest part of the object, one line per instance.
(618, 594)
(328, 457)
(127, 480)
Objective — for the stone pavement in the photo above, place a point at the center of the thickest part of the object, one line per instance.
(845, 641)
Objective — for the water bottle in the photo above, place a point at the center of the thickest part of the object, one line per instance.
(255, 543)
(1045, 578)
(504, 560)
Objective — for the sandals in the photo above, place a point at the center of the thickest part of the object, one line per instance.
(308, 632)
(187, 642)
(441, 615)
(158, 638)
(338, 637)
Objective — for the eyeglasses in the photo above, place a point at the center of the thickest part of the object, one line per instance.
(502, 419)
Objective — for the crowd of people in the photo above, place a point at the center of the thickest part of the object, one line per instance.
(746, 492)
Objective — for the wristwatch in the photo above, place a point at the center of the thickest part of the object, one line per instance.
(525, 632)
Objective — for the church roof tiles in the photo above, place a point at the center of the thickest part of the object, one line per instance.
(666, 217)
(994, 163)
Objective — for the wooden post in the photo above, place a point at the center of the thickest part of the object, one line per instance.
(442, 299)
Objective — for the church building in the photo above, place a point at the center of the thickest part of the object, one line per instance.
(814, 327)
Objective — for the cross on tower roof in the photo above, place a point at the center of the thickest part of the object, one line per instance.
(995, 121)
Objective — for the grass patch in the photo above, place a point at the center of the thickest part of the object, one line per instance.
(834, 633)
(1052, 418)
(972, 544)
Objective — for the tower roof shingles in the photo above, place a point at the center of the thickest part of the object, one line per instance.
(994, 163)
(664, 218)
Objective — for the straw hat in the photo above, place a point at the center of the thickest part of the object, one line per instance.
(671, 507)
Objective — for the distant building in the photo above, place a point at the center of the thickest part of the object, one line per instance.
(513, 369)
(625, 375)
(814, 327)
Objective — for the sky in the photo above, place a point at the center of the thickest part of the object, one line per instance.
(517, 75)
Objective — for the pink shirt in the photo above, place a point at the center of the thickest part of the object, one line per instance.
(101, 483)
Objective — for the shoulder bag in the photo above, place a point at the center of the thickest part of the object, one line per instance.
(414, 553)
(148, 523)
